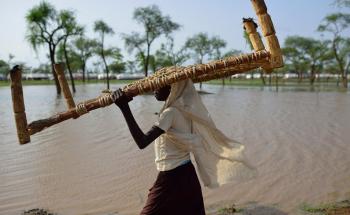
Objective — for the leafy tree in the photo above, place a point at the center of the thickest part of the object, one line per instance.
(232, 52)
(309, 52)
(42, 68)
(117, 66)
(70, 28)
(4, 68)
(155, 25)
(335, 24)
(294, 61)
(68, 52)
(103, 29)
(130, 66)
(85, 49)
(167, 56)
(342, 3)
(46, 27)
(10, 58)
(202, 47)
(217, 44)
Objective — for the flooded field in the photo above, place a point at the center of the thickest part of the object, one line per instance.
(299, 140)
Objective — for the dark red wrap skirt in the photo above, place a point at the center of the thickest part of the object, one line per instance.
(175, 192)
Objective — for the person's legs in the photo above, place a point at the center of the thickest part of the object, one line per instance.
(158, 197)
(175, 192)
(193, 201)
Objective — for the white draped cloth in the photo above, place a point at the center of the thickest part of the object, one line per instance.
(219, 159)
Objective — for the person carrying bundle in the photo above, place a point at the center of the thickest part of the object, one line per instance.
(185, 127)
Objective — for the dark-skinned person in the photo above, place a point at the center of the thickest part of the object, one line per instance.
(184, 127)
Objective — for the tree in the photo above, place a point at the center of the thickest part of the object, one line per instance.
(103, 29)
(155, 25)
(303, 51)
(294, 61)
(230, 53)
(4, 68)
(130, 66)
(335, 24)
(85, 49)
(167, 56)
(117, 66)
(68, 52)
(11, 57)
(42, 69)
(342, 3)
(217, 44)
(70, 28)
(45, 27)
(201, 47)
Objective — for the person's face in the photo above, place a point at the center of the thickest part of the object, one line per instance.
(162, 93)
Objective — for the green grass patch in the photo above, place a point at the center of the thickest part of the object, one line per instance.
(229, 210)
(232, 82)
(318, 209)
(51, 82)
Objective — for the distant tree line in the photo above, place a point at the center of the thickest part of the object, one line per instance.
(65, 41)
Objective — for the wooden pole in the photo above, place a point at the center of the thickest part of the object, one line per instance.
(200, 72)
(251, 28)
(64, 85)
(18, 105)
(269, 33)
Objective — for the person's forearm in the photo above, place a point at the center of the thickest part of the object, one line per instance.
(134, 128)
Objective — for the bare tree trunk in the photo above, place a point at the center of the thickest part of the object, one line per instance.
(147, 60)
(262, 77)
(300, 76)
(107, 70)
(223, 82)
(276, 81)
(83, 67)
(345, 81)
(104, 61)
(52, 58)
(338, 80)
(341, 66)
(68, 65)
(312, 75)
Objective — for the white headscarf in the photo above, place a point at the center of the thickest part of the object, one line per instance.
(219, 159)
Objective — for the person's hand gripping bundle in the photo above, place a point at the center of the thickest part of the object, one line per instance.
(120, 98)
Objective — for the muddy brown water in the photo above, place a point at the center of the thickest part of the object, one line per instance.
(298, 140)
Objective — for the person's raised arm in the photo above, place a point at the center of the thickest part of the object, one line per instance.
(142, 140)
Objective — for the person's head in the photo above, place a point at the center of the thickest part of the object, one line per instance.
(162, 93)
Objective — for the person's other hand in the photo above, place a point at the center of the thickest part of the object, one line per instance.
(120, 99)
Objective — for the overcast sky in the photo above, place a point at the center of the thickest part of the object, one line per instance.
(220, 17)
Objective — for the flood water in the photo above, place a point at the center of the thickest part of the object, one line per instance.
(298, 140)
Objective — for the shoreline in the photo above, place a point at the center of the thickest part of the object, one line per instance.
(254, 208)
(233, 82)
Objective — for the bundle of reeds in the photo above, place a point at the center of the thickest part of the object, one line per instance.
(268, 59)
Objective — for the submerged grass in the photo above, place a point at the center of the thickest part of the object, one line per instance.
(339, 208)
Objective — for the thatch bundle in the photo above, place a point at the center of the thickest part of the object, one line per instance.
(268, 59)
